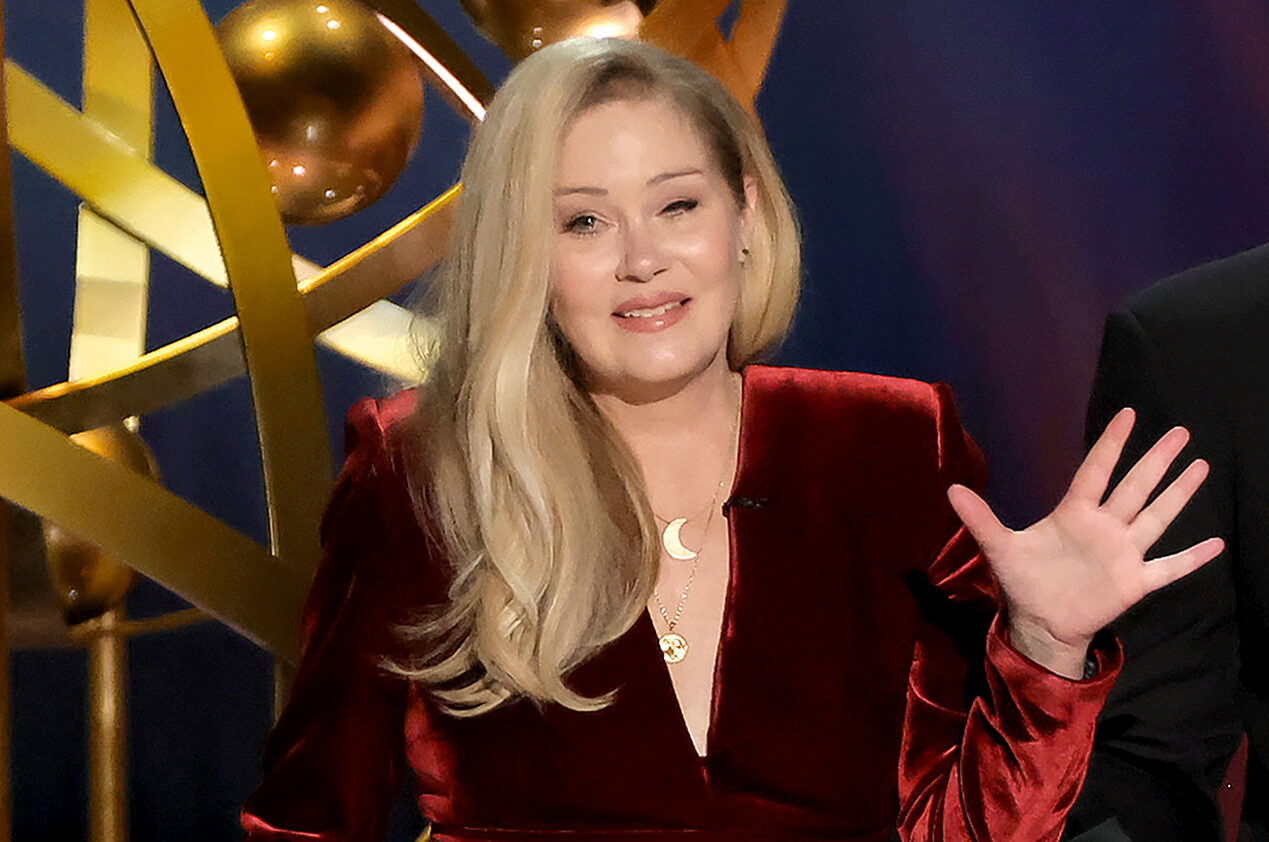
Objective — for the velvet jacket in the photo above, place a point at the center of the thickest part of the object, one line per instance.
(862, 683)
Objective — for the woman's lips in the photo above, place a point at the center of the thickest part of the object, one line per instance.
(650, 314)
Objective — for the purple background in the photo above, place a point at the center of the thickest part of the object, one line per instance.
(979, 184)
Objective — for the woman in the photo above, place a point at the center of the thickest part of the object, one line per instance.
(602, 576)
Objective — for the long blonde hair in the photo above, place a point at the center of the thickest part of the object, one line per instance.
(538, 505)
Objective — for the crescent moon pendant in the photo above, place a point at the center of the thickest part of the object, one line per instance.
(671, 542)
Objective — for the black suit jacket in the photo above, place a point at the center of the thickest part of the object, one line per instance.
(1192, 350)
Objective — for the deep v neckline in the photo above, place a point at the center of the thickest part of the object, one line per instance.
(720, 650)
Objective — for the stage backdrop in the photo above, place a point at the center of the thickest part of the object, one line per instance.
(979, 184)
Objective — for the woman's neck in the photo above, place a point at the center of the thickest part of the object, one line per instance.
(711, 395)
(684, 443)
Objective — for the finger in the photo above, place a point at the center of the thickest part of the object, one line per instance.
(1169, 568)
(1093, 475)
(978, 517)
(1154, 519)
(1137, 485)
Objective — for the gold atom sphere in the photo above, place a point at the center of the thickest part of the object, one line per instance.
(521, 26)
(334, 98)
(87, 581)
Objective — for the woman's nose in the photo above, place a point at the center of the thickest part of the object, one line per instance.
(642, 257)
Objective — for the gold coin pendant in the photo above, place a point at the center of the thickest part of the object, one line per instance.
(673, 647)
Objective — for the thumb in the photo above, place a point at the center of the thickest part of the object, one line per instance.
(977, 516)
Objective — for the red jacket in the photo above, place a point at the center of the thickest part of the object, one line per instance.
(858, 687)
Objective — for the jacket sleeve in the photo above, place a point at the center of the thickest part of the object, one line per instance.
(1171, 724)
(995, 747)
(332, 763)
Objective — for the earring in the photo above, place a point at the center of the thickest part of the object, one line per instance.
(744, 256)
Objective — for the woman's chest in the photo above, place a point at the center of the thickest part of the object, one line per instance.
(805, 717)
(687, 610)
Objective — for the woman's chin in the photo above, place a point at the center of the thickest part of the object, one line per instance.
(648, 383)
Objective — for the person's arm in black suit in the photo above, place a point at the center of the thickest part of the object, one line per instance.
(1170, 725)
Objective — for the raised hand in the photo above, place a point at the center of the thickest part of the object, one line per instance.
(1070, 574)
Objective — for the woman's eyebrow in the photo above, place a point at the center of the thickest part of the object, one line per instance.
(589, 191)
(666, 176)
(656, 179)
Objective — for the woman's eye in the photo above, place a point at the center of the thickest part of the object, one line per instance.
(680, 206)
(583, 223)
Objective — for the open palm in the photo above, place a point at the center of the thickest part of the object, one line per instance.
(1070, 574)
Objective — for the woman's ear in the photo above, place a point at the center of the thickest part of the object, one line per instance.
(749, 213)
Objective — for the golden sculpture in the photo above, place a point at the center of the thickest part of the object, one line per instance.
(335, 99)
(88, 582)
(12, 381)
(233, 236)
(522, 26)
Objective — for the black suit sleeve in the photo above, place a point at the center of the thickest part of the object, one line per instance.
(1170, 725)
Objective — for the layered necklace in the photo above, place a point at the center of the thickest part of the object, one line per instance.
(674, 645)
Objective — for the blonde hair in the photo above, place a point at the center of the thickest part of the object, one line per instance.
(536, 504)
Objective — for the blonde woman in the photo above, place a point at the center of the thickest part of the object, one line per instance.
(602, 576)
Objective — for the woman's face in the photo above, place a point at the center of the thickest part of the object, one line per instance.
(646, 264)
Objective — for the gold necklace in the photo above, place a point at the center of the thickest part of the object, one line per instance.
(674, 645)
(671, 539)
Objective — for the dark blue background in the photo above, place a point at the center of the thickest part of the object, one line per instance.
(979, 183)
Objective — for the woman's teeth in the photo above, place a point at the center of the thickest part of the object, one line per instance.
(652, 312)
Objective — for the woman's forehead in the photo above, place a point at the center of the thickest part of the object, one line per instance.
(627, 138)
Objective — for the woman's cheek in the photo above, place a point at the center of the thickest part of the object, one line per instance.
(705, 245)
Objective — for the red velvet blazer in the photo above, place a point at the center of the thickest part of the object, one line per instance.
(858, 686)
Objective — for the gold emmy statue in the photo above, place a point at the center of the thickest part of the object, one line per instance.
(296, 111)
